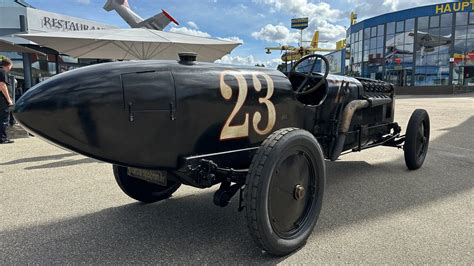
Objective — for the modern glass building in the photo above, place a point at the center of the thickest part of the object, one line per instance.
(430, 46)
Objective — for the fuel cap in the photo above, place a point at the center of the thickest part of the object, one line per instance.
(187, 58)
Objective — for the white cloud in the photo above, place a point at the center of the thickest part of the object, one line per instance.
(237, 60)
(327, 31)
(325, 18)
(188, 31)
(84, 2)
(193, 29)
(276, 33)
(242, 6)
(304, 8)
(249, 61)
(231, 39)
(195, 32)
(193, 25)
(322, 17)
(282, 35)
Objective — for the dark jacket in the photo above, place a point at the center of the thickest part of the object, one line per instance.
(4, 79)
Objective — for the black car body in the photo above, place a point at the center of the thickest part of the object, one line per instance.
(166, 123)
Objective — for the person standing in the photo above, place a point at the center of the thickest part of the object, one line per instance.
(5, 99)
(13, 90)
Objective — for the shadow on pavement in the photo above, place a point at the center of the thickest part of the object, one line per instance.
(357, 191)
(182, 230)
(40, 159)
(59, 161)
(192, 230)
(62, 164)
(16, 132)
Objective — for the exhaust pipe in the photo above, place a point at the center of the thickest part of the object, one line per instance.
(346, 120)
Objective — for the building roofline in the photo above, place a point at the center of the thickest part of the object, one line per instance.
(407, 10)
(23, 3)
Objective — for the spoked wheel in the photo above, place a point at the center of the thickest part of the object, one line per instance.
(142, 190)
(417, 139)
(284, 190)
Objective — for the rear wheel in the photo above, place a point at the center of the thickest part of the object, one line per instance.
(284, 190)
(142, 190)
(417, 139)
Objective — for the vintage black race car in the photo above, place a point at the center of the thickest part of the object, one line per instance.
(255, 131)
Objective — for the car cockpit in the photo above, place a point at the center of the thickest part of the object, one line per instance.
(309, 86)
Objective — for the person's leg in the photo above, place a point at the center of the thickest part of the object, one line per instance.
(4, 115)
(12, 119)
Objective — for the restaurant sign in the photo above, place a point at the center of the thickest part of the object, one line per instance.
(43, 21)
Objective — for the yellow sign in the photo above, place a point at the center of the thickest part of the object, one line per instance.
(341, 44)
(455, 7)
(353, 18)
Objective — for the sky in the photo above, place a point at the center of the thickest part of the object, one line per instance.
(255, 23)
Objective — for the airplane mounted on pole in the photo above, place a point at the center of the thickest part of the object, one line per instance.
(296, 53)
(157, 22)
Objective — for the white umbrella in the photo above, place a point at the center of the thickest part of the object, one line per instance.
(8, 46)
(131, 44)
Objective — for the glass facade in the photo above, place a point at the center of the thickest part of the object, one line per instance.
(463, 50)
(429, 50)
(356, 51)
(44, 66)
(434, 39)
(399, 46)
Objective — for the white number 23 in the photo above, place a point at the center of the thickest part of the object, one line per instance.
(241, 131)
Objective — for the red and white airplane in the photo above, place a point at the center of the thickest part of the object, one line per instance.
(157, 22)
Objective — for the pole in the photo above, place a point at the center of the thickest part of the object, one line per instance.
(301, 38)
(26, 57)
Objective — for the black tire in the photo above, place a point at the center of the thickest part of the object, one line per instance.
(417, 139)
(280, 221)
(142, 190)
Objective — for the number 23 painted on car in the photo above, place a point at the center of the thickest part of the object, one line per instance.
(240, 131)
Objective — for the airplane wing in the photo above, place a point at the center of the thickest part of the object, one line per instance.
(279, 48)
(316, 49)
(432, 40)
(158, 22)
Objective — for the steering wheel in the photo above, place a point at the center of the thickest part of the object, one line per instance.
(303, 88)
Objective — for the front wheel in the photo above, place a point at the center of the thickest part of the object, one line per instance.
(417, 139)
(142, 190)
(284, 190)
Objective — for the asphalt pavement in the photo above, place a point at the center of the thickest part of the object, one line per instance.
(57, 207)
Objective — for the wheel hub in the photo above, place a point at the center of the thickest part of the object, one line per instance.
(421, 139)
(290, 197)
(299, 192)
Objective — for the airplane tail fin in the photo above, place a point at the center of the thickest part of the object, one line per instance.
(159, 21)
(315, 41)
(125, 3)
(110, 5)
